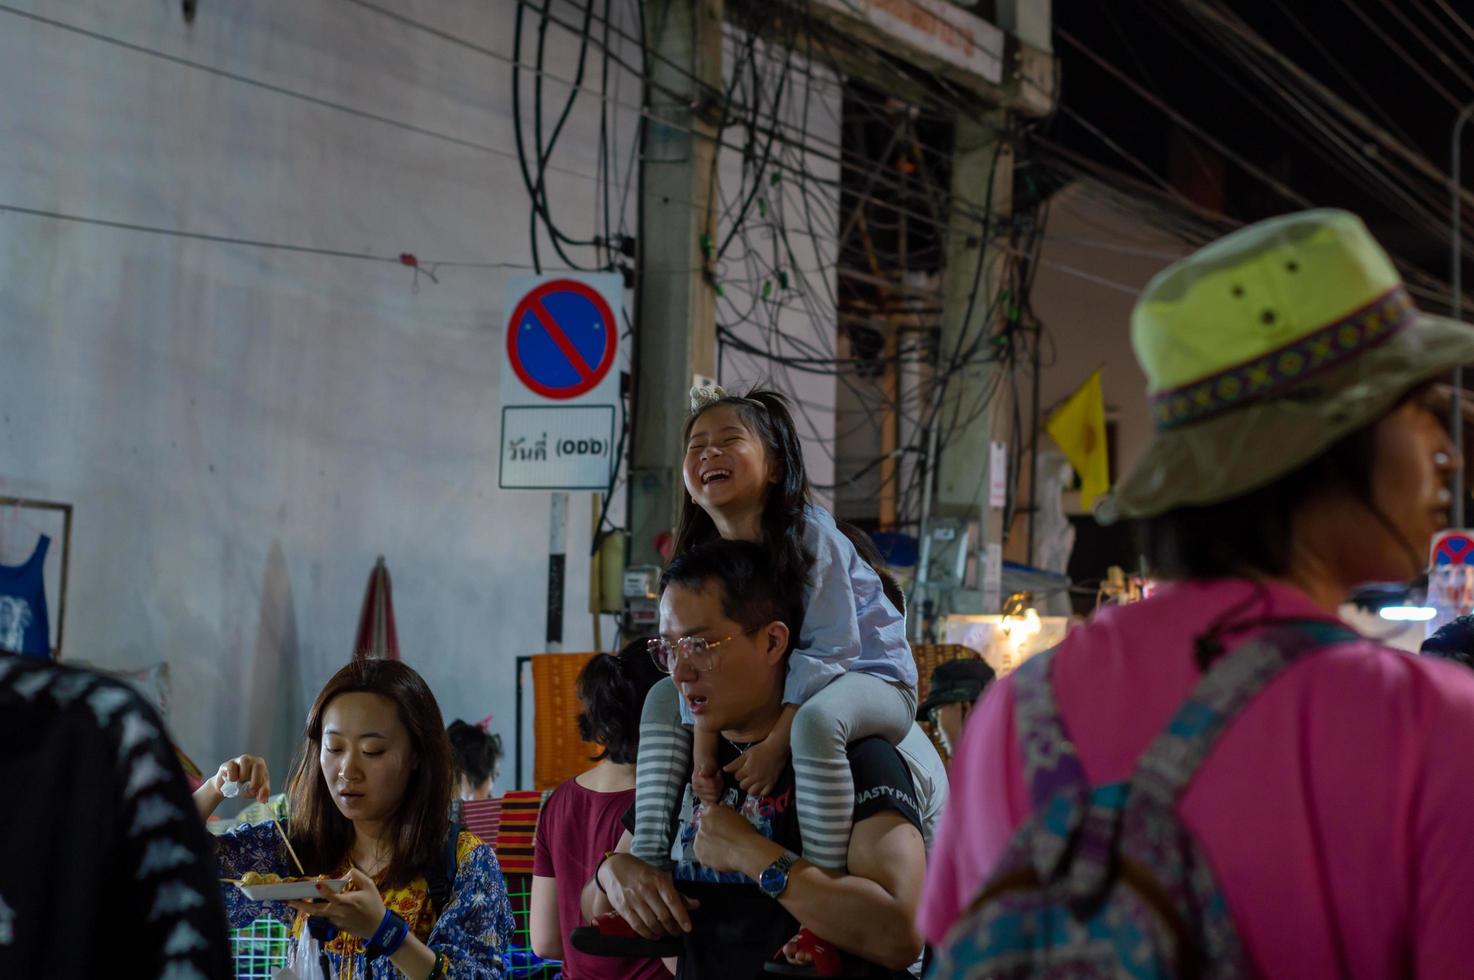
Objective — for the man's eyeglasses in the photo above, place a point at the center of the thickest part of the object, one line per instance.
(697, 651)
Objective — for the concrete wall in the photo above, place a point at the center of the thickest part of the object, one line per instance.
(242, 429)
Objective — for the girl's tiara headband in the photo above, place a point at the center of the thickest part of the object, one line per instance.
(705, 396)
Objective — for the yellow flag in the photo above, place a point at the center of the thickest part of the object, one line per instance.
(1079, 427)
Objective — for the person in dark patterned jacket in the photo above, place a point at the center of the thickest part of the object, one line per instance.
(104, 870)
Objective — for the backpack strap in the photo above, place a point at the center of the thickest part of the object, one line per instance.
(1052, 769)
(1173, 758)
(440, 879)
(1051, 764)
(1079, 826)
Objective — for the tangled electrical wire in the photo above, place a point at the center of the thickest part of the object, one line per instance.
(834, 222)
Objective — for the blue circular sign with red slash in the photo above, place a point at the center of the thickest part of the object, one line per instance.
(1453, 548)
(561, 339)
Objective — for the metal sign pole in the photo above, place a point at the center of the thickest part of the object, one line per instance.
(1456, 280)
(522, 664)
(557, 570)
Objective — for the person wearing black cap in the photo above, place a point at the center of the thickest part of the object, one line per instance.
(955, 685)
(1453, 641)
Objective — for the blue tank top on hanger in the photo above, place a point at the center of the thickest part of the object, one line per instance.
(24, 626)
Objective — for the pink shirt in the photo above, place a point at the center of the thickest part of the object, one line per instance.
(575, 828)
(1337, 810)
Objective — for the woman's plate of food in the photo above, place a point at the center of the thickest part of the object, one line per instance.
(274, 888)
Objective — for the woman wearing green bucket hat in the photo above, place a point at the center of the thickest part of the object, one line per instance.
(1300, 451)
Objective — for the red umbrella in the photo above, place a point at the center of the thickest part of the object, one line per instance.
(376, 636)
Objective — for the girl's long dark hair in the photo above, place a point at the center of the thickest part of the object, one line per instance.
(320, 834)
(765, 414)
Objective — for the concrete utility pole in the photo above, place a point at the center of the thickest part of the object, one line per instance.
(1456, 278)
(1031, 21)
(981, 158)
(675, 336)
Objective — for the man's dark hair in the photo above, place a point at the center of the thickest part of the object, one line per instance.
(751, 594)
(1252, 533)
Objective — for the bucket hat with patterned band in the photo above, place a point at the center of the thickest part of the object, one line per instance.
(1265, 348)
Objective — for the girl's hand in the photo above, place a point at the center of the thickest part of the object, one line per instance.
(757, 770)
(707, 782)
(357, 910)
(706, 777)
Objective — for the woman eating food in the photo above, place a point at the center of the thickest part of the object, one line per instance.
(369, 803)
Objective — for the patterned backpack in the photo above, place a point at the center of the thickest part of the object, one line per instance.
(1106, 881)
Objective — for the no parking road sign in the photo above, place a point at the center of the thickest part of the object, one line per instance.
(561, 339)
(1451, 577)
(560, 382)
(1453, 548)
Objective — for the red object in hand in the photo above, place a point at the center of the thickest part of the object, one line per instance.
(613, 924)
(827, 962)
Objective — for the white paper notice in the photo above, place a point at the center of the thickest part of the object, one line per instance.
(998, 474)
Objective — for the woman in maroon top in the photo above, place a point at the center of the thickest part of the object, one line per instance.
(583, 817)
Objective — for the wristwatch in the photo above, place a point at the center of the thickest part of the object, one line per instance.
(774, 879)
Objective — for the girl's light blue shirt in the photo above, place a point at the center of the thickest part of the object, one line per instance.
(849, 624)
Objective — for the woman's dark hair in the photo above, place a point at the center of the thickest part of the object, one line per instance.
(475, 753)
(1454, 640)
(321, 835)
(765, 414)
(612, 689)
(1253, 534)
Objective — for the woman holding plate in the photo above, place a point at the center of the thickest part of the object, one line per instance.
(369, 804)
